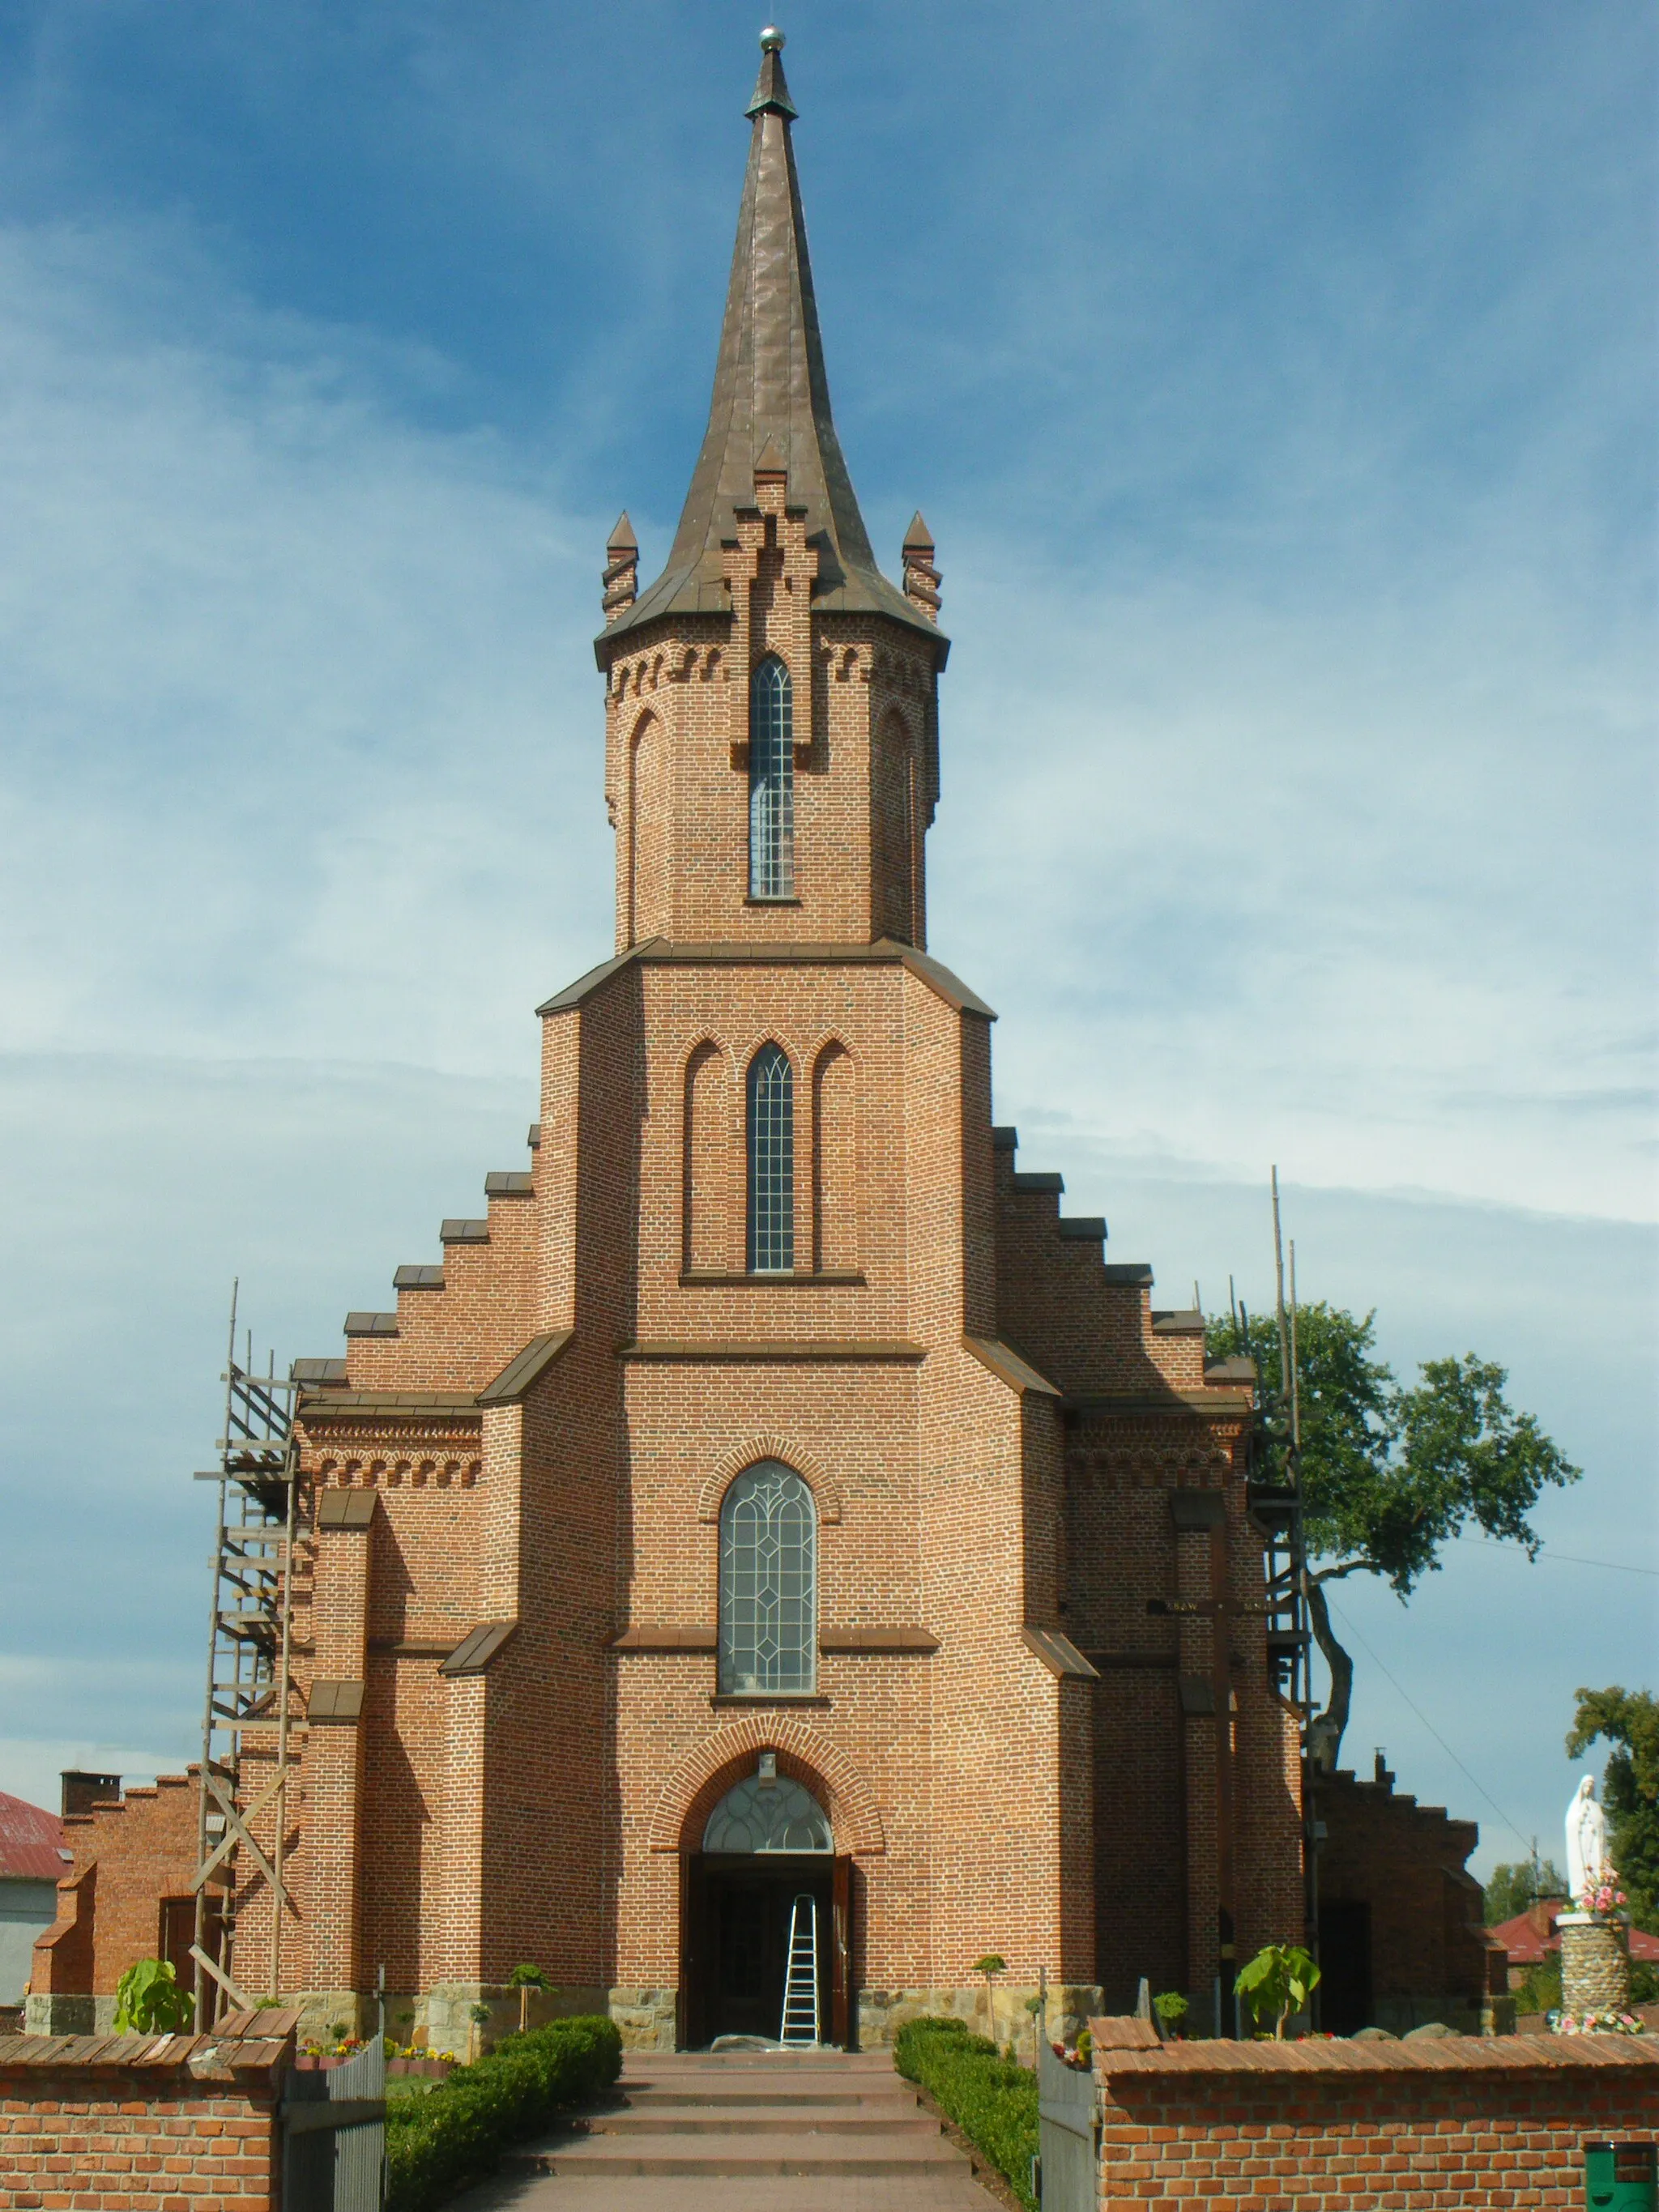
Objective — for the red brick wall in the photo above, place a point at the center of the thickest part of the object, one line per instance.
(125, 2127)
(143, 1849)
(1406, 1863)
(1493, 2125)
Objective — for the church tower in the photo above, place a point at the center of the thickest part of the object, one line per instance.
(772, 739)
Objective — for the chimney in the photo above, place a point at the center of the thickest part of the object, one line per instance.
(82, 1791)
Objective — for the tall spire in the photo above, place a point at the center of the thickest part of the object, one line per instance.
(770, 390)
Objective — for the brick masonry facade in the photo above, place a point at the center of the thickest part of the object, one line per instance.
(1494, 2126)
(127, 1895)
(1402, 1938)
(1019, 1467)
(138, 2123)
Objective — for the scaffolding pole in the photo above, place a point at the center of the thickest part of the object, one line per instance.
(248, 1693)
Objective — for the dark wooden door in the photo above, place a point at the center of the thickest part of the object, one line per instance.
(694, 1917)
(1345, 1960)
(841, 1954)
(178, 1934)
(734, 1937)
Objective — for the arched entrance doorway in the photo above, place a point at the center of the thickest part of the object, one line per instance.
(767, 1848)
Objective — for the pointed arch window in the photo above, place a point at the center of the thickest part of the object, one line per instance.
(771, 782)
(768, 1582)
(771, 1162)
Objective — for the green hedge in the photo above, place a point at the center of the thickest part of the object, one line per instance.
(994, 2103)
(435, 2143)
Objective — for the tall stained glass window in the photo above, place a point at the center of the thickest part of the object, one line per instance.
(771, 782)
(771, 1162)
(768, 1582)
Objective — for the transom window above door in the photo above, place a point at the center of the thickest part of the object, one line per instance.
(758, 1815)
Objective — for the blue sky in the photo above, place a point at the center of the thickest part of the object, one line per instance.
(1278, 384)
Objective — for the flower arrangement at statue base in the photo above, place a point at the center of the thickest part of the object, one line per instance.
(1602, 1892)
(1597, 2023)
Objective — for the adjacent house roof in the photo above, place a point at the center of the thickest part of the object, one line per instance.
(1531, 1936)
(770, 392)
(31, 1842)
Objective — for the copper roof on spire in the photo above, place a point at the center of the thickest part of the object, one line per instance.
(770, 390)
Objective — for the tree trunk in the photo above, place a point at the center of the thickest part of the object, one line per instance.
(1329, 1727)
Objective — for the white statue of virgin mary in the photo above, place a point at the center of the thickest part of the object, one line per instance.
(1586, 1838)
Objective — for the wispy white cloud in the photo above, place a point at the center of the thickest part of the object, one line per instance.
(291, 690)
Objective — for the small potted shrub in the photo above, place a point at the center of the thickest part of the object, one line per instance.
(523, 1978)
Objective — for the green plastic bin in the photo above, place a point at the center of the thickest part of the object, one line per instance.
(1621, 2177)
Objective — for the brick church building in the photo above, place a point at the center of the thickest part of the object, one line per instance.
(773, 1495)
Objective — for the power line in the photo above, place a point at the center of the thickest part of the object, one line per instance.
(1548, 1552)
(1429, 1725)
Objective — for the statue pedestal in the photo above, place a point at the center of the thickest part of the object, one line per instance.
(1594, 1961)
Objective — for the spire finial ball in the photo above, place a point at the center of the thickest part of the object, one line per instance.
(772, 40)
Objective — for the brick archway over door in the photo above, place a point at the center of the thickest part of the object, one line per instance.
(852, 1808)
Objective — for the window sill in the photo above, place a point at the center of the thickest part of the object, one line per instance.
(702, 1278)
(772, 898)
(770, 1697)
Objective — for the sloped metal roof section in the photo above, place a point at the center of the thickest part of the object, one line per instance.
(770, 388)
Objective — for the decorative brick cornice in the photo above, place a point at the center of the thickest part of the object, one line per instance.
(724, 1756)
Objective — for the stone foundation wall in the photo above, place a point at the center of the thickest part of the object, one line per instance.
(647, 2018)
(882, 2012)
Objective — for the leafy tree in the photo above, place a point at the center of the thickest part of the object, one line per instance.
(1390, 1475)
(1629, 1720)
(1513, 1888)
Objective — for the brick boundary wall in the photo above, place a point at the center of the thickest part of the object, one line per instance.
(143, 2123)
(1486, 2123)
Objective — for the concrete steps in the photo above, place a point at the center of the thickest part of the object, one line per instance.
(822, 2117)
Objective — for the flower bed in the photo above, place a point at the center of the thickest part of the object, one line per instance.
(457, 2132)
(994, 2103)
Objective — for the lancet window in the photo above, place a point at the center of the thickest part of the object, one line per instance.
(771, 782)
(768, 1582)
(771, 1162)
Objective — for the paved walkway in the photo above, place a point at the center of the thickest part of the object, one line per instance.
(759, 2132)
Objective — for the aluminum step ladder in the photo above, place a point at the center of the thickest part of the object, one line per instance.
(800, 1985)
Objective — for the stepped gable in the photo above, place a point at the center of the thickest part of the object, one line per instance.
(457, 1322)
(1087, 1324)
(130, 1856)
(1428, 1954)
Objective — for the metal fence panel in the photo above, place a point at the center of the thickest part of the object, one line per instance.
(334, 2136)
(1068, 2130)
